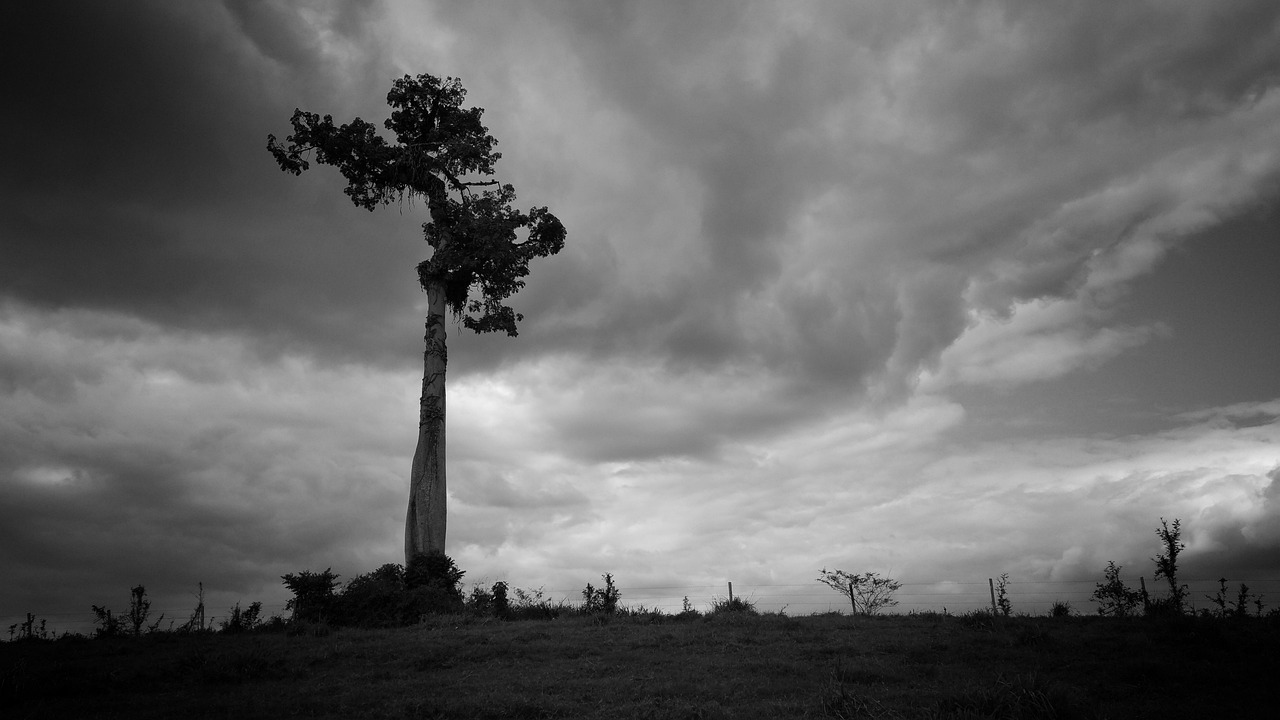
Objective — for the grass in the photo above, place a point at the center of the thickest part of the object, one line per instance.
(727, 665)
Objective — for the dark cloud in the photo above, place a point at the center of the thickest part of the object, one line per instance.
(136, 177)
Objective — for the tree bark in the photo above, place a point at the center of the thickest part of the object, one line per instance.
(425, 524)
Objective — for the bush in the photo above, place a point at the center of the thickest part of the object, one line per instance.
(1114, 598)
(736, 606)
(313, 595)
(501, 605)
(533, 605)
(376, 599)
(868, 593)
(246, 620)
(601, 600)
(433, 582)
(1002, 596)
(1167, 565)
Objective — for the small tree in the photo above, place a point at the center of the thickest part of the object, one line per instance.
(1167, 564)
(868, 593)
(1113, 597)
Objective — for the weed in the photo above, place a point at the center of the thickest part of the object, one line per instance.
(978, 620)
(1002, 595)
(1240, 608)
(1061, 608)
(246, 620)
(868, 593)
(109, 624)
(29, 631)
(734, 606)
(1167, 564)
(196, 621)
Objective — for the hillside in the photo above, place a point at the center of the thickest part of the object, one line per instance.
(652, 666)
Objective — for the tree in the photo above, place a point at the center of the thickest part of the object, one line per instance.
(867, 593)
(443, 154)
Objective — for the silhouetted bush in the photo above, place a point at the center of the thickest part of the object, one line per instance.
(313, 595)
(434, 583)
(243, 620)
(1114, 598)
(376, 599)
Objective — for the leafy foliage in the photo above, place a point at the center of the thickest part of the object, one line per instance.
(1238, 608)
(29, 630)
(1002, 595)
(440, 146)
(1167, 564)
(243, 620)
(1114, 598)
(601, 600)
(313, 595)
(868, 593)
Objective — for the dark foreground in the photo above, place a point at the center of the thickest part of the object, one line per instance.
(722, 666)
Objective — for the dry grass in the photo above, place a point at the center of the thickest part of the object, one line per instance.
(724, 666)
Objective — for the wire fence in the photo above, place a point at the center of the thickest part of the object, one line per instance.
(957, 598)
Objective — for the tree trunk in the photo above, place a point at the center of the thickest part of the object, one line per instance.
(425, 524)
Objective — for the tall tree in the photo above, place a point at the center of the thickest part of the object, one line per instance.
(481, 247)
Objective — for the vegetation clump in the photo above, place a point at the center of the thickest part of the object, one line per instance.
(868, 593)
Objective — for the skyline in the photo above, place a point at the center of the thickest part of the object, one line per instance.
(946, 290)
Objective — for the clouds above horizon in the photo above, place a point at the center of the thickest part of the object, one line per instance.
(802, 241)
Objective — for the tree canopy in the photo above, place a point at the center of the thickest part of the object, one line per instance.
(444, 154)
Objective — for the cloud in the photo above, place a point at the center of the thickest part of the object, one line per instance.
(802, 241)
(130, 451)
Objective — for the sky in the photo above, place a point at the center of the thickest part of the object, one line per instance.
(939, 290)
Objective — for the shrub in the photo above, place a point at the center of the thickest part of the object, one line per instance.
(1240, 608)
(109, 624)
(501, 605)
(313, 595)
(868, 593)
(243, 620)
(1002, 595)
(139, 609)
(1114, 598)
(1167, 564)
(533, 605)
(433, 583)
(736, 606)
(375, 599)
(29, 630)
(1061, 608)
(601, 600)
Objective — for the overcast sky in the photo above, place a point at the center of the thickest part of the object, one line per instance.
(937, 289)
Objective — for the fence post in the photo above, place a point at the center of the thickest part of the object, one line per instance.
(991, 584)
(1146, 604)
(730, 593)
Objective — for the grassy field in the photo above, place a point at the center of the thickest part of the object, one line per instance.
(726, 665)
